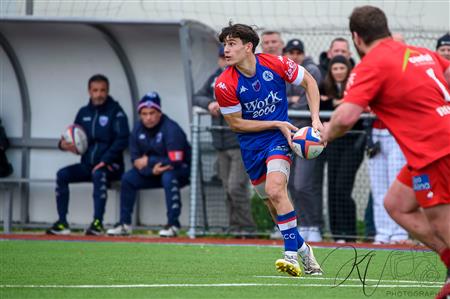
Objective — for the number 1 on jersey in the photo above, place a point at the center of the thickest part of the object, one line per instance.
(430, 72)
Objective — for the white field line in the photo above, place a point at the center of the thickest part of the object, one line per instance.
(205, 285)
(352, 279)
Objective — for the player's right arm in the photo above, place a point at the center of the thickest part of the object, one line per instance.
(240, 125)
(295, 74)
(231, 109)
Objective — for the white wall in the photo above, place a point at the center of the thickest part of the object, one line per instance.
(10, 104)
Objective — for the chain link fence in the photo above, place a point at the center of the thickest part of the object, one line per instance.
(345, 186)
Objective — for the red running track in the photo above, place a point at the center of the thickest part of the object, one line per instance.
(199, 240)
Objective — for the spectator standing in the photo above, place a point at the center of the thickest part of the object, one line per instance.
(231, 168)
(443, 46)
(305, 182)
(339, 46)
(344, 155)
(272, 43)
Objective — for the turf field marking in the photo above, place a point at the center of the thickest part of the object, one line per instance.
(351, 279)
(209, 285)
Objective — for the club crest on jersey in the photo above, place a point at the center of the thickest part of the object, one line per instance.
(243, 89)
(256, 85)
(103, 120)
(141, 136)
(267, 75)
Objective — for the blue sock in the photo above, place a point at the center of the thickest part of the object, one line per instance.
(300, 240)
(287, 224)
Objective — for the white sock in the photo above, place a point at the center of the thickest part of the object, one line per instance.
(291, 254)
(304, 250)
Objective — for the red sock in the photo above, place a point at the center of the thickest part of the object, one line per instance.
(445, 257)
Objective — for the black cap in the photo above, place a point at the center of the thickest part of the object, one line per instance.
(443, 41)
(294, 44)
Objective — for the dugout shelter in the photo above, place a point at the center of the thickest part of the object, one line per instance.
(44, 67)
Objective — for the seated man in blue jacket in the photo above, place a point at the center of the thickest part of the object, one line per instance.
(161, 155)
(106, 126)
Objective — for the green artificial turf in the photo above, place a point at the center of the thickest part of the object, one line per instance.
(146, 270)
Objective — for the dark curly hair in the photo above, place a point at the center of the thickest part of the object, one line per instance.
(244, 32)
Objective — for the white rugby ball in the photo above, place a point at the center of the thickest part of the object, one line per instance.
(307, 143)
(75, 134)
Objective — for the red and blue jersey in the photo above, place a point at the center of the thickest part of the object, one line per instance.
(261, 97)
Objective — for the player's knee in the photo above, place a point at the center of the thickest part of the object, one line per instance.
(168, 178)
(400, 199)
(275, 190)
(438, 228)
(62, 176)
(389, 205)
(438, 218)
(98, 176)
(128, 178)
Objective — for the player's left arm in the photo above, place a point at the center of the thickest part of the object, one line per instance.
(342, 120)
(445, 64)
(313, 97)
(297, 75)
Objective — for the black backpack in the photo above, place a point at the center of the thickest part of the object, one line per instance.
(5, 167)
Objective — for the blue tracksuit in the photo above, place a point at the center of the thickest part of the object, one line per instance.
(107, 129)
(166, 143)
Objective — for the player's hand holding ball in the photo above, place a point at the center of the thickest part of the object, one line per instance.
(286, 129)
(307, 143)
(317, 125)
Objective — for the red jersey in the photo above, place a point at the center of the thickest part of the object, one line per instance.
(406, 88)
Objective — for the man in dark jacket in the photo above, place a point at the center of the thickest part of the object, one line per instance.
(161, 156)
(443, 46)
(106, 126)
(338, 46)
(231, 168)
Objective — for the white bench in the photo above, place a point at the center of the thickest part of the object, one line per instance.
(8, 184)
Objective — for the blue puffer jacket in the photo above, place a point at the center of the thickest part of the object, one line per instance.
(107, 129)
(165, 143)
